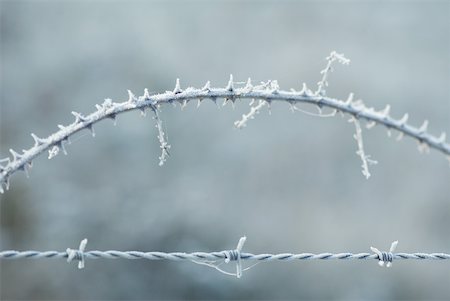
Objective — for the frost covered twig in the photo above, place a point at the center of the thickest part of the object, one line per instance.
(164, 145)
(334, 56)
(267, 93)
(366, 161)
(216, 259)
(251, 115)
(323, 83)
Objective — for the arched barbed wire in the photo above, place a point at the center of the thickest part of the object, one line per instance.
(266, 93)
(216, 259)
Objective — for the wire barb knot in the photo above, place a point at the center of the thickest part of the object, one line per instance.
(77, 254)
(385, 257)
(235, 255)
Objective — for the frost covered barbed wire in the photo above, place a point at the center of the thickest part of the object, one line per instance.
(266, 93)
(217, 259)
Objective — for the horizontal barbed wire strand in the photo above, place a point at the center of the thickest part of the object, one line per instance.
(180, 256)
(110, 109)
(216, 259)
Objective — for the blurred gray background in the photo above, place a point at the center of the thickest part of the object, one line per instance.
(290, 182)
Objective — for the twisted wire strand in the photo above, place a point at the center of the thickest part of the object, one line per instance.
(212, 256)
(23, 161)
(216, 259)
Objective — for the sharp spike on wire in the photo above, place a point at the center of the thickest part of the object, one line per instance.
(131, 97)
(230, 85)
(177, 88)
(146, 94)
(184, 104)
(63, 148)
(248, 85)
(107, 103)
(423, 128)
(78, 117)
(370, 124)
(385, 257)
(77, 254)
(275, 88)
(16, 155)
(91, 129)
(239, 260)
(385, 111)
(404, 119)
(207, 87)
(113, 116)
(143, 111)
(442, 138)
(37, 141)
(304, 90)
(349, 100)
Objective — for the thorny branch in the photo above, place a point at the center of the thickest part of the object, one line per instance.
(263, 94)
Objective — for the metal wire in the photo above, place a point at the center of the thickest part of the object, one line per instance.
(215, 259)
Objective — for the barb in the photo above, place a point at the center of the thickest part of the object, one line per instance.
(77, 254)
(385, 257)
(267, 93)
(212, 259)
(231, 255)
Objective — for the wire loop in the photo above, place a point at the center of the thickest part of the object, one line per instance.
(77, 254)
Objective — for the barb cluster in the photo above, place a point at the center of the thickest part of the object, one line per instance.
(261, 95)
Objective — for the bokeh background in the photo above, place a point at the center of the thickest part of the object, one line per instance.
(290, 182)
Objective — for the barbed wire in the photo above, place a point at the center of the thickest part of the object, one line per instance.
(216, 259)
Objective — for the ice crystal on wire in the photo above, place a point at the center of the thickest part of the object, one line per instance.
(53, 152)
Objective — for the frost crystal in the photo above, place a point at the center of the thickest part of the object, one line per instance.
(164, 145)
(423, 147)
(334, 56)
(366, 161)
(271, 86)
(53, 152)
(250, 115)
